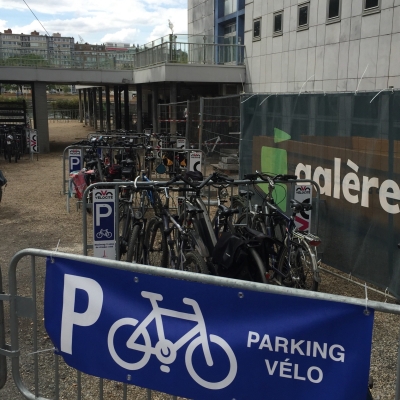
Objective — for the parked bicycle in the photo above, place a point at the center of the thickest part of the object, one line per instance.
(296, 263)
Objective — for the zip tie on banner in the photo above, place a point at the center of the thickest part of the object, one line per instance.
(51, 258)
(378, 94)
(386, 294)
(265, 99)
(350, 277)
(362, 76)
(366, 311)
(42, 351)
(304, 84)
(248, 98)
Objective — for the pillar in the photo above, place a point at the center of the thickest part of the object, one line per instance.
(139, 109)
(94, 91)
(154, 106)
(80, 106)
(85, 107)
(173, 94)
(117, 115)
(126, 108)
(101, 114)
(108, 109)
(40, 116)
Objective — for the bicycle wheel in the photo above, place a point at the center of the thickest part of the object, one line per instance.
(300, 273)
(155, 244)
(125, 230)
(134, 245)
(195, 263)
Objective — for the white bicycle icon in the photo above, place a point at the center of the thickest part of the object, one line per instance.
(103, 232)
(165, 350)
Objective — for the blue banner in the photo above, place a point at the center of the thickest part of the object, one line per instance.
(203, 341)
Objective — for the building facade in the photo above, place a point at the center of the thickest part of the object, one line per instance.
(314, 45)
(55, 46)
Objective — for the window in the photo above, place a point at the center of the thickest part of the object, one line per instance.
(370, 6)
(303, 16)
(257, 29)
(333, 10)
(230, 6)
(278, 23)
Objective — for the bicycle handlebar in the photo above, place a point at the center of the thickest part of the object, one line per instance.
(265, 177)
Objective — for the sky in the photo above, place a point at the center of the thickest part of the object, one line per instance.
(96, 21)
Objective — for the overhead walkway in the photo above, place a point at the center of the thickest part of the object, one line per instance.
(170, 60)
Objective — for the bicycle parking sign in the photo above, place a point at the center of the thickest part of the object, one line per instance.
(200, 341)
(75, 159)
(104, 223)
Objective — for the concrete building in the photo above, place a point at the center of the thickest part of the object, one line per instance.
(314, 45)
(55, 46)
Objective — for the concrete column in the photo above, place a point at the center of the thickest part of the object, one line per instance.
(101, 114)
(117, 109)
(85, 107)
(139, 110)
(95, 108)
(173, 99)
(108, 111)
(90, 107)
(126, 108)
(80, 106)
(154, 106)
(40, 117)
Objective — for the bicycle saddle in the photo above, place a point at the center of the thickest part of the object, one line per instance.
(246, 193)
(194, 175)
(253, 233)
(226, 212)
(192, 209)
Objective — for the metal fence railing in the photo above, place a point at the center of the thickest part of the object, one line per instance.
(133, 58)
(38, 372)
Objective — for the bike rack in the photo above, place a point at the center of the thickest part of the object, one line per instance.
(66, 181)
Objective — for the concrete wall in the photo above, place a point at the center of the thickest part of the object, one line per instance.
(201, 17)
(333, 56)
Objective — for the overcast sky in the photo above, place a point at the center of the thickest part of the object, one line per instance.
(96, 21)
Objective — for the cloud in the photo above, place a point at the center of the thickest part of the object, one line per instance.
(133, 21)
(126, 35)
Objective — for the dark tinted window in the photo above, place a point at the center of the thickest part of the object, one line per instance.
(256, 29)
(334, 8)
(278, 22)
(371, 4)
(303, 15)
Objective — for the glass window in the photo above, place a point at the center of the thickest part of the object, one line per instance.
(257, 29)
(371, 4)
(334, 9)
(230, 6)
(303, 15)
(278, 22)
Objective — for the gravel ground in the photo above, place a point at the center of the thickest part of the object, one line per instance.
(33, 214)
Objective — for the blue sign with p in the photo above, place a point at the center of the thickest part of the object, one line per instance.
(204, 341)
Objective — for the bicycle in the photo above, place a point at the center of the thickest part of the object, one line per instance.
(164, 349)
(295, 258)
(168, 241)
(210, 233)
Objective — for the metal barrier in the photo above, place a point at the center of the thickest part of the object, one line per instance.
(3, 361)
(25, 313)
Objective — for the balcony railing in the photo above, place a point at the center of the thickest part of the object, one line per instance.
(200, 52)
